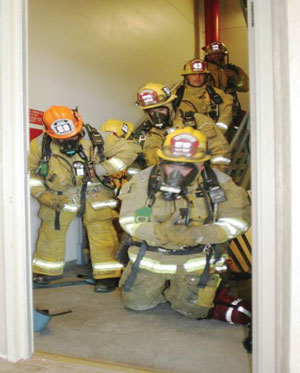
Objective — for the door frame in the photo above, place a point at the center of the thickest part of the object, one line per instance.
(271, 179)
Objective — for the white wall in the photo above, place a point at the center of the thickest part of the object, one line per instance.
(96, 54)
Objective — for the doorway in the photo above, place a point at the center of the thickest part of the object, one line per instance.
(18, 343)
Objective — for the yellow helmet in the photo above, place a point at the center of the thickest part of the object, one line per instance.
(118, 127)
(195, 66)
(185, 145)
(153, 95)
(215, 47)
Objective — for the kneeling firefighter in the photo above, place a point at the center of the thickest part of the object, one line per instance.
(69, 169)
(178, 213)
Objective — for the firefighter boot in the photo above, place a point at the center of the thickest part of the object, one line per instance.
(106, 285)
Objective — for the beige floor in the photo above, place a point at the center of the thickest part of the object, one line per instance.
(101, 329)
(48, 363)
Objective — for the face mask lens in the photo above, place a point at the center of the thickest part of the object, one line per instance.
(183, 170)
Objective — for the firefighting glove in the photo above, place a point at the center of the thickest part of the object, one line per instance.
(184, 235)
(172, 233)
(52, 200)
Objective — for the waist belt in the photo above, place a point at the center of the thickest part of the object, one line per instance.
(186, 251)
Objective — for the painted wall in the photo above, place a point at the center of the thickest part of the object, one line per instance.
(96, 54)
(234, 34)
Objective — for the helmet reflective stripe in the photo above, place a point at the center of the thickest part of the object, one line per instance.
(48, 265)
(107, 266)
(109, 203)
(117, 163)
(232, 226)
(128, 224)
(228, 315)
(222, 126)
(33, 182)
(220, 159)
(154, 265)
(62, 126)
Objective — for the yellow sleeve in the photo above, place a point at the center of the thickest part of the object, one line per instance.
(121, 154)
(153, 142)
(36, 182)
(225, 114)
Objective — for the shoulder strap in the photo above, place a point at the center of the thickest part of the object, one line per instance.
(214, 96)
(46, 150)
(179, 93)
(153, 184)
(97, 140)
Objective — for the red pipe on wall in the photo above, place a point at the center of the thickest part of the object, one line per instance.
(212, 21)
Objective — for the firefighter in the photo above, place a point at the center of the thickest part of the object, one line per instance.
(159, 104)
(195, 95)
(226, 76)
(69, 169)
(178, 213)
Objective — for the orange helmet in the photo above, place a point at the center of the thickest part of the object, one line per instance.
(195, 66)
(61, 122)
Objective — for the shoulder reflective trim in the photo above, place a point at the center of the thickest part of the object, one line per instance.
(220, 159)
(109, 203)
(129, 225)
(91, 184)
(133, 171)
(222, 126)
(233, 227)
(70, 208)
(33, 182)
(154, 265)
(107, 266)
(117, 163)
(228, 315)
(44, 264)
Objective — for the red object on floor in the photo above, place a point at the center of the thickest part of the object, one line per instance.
(230, 309)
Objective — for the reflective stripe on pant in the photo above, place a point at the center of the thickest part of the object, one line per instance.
(49, 258)
(50, 252)
(150, 289)
(103, 242)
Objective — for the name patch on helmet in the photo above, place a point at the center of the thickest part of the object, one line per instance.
(62, 126)
(198, 66)
(148, 97)
(125, 128)
(184, 145)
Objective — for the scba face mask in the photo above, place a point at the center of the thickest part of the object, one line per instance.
(176, 177)
(160, 117)
(69, 147)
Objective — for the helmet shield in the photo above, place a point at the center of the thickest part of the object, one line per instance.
(176, 176)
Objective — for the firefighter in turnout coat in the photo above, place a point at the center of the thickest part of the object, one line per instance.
(69, 169)
(177, 214)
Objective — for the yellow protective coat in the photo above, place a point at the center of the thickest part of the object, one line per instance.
(50, 249)
(197, 100)
(183, 271)
(217, 144)
(239, 81)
